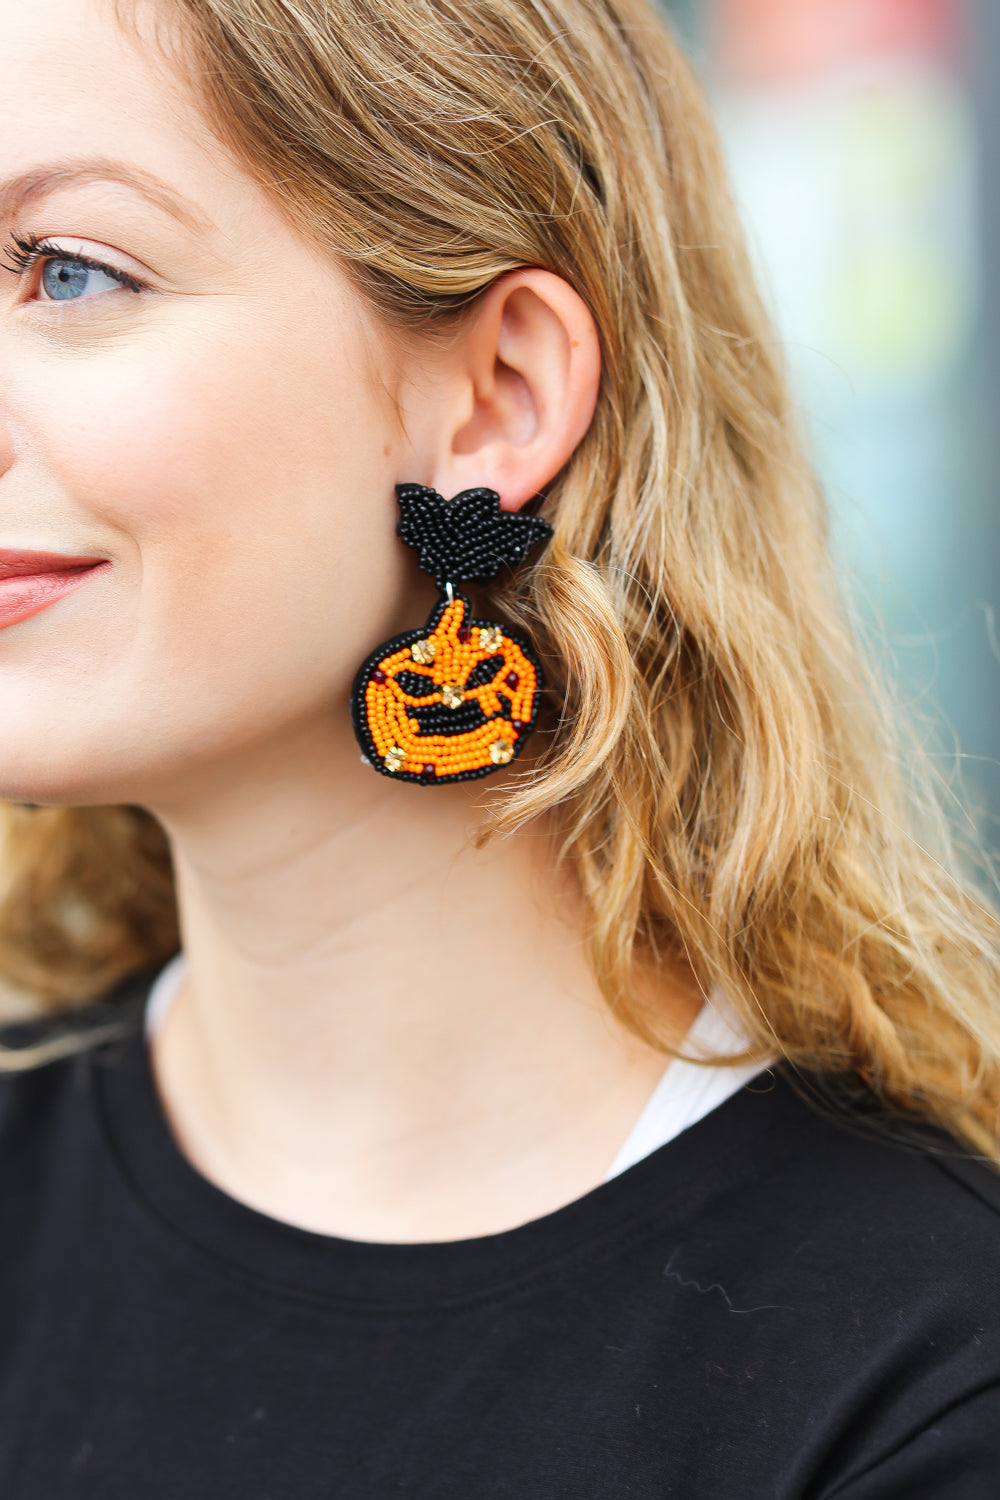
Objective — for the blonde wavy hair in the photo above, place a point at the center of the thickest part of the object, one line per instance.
(728, 772)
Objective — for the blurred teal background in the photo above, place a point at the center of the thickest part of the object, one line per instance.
(863, 139)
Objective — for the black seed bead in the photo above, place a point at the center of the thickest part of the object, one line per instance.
(466, 537)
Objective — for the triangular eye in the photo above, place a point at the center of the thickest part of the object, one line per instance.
(415, 685)
(485, 672)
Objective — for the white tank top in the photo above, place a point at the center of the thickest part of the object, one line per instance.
(685, 1093)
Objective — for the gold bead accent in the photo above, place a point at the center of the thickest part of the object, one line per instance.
(452, 694)
(394, 758)
(424, 652)
(491, 638)
(501, 751)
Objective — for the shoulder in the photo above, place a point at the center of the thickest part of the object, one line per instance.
(818, 1283)
(795, 1220)
(881, 1202)
(884, 1172)
(43, 1061)
(846, 1267)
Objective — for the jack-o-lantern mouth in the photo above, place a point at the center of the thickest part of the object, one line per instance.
(449, 702)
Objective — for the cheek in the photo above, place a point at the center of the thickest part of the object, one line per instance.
(205, 437)
(242, 482)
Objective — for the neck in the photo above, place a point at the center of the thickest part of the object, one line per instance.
(386, 1032)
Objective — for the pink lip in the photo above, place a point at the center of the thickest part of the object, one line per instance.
(31, 581)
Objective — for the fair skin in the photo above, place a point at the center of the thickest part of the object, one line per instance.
(386, 1033)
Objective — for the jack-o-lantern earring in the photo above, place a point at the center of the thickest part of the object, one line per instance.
(457, 698)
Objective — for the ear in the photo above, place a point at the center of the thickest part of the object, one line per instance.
(515, 393)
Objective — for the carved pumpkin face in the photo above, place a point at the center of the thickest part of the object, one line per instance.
(449, 702)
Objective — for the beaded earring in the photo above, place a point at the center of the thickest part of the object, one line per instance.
(457, 698)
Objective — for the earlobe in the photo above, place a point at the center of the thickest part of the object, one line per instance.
(528, 367)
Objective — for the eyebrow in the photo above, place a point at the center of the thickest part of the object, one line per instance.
(28, 187)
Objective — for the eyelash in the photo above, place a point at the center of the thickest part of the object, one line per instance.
(24, 252)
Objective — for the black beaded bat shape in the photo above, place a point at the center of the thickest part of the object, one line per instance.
(466, 538)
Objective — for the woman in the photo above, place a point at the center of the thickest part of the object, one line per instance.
(386, 1183)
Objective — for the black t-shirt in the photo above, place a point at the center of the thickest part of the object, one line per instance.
(771, 1305)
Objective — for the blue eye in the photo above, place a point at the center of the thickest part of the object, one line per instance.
(65, 279)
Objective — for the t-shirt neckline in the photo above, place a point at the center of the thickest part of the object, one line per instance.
(684, 1093)
(241, 1241)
